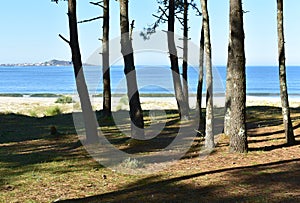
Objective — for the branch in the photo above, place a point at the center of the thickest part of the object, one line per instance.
(56, 1)
(63, 38)
(89, 20)
(178, 17)
(131, 28)
(180, 20)
(98, 4)
(151, 29)
(178, 12)
(164, 11)
(159, 17)
(194, 6)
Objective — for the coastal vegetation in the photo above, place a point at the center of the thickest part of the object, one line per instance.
(64, 100)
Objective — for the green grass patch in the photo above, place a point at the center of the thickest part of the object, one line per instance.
(11, 95)
(64, 100)
(53, 111)
(45, 95)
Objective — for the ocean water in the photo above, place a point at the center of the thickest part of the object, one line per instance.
(261, 80)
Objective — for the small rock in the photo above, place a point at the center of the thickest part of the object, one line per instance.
(89, 185)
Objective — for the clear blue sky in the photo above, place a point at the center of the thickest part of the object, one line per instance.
(29, 29)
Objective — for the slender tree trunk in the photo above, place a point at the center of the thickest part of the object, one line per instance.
(182, 107)
(209, 136)
(89, 117)
(105, 61)
(236, 66)
(200, 79)
(185, 54)
(288, 126)
(227, 121)
(136, 113)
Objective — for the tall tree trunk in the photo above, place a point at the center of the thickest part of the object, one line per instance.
(185, 54)
(89, 117)
(288, 126)
(236, 66)
(227, 121)
(227, 118)
(200, 79)
(136, 113)
(105, 61)
(182, 107)
(209, 136)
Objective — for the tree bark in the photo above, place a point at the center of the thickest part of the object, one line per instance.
(288, 126)
(136, 113)
(182, 107)
(200, 79)
(185, 87)
(209, 136)
(105, 61)
(227, 121)
(237, 84)
(89, 117)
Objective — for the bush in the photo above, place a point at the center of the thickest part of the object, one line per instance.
(33, 113)
(64, 100)
(53, 111)
(123, 103)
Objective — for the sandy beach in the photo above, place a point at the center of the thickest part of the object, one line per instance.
(36, 106)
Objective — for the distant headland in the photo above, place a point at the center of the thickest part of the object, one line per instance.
(53, 62)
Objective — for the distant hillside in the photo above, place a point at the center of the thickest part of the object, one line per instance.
(53, 62)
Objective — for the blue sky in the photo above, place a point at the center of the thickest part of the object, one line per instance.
(29, 29)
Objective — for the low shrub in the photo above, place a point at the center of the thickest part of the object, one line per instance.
(52, 111)
(64, 100)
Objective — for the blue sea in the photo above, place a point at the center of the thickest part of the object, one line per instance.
(261, 80)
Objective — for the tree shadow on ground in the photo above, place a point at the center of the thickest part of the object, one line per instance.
(262, 116)
(273, 147)
(161, 130)
(26, 141)
(25, 152)
(265, 127)
(270, 182)
(253, 134)
(18, 128)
